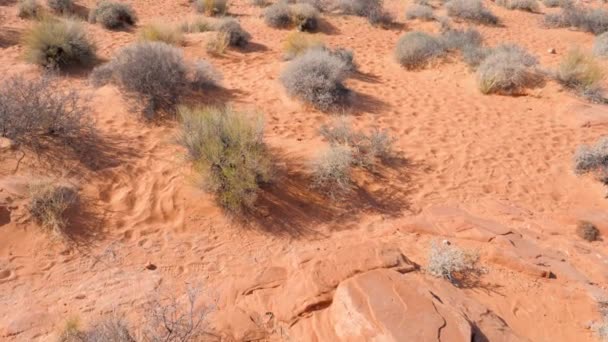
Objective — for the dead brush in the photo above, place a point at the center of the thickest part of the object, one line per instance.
(49, 203)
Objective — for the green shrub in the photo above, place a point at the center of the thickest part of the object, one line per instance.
(508, 69)
(57, 44)
(237, 36)
(415, 49)
(113, 15)
(160, 32)
(471, 10)
(227, 148)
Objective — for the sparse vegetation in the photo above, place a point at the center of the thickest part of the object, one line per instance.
(61, 6)
(592, 159)
(227, 148)
(49, 203)
(332, 171)
(522, 5)
(278, 15)
(593, 20)
(29, 9)
(317, 77)
(297, 43)
(580, 72)
(587, 231)
(196, 25)
(218, 44)
(373, 10)
(212, 7)
(468, 42)
(304, 16)
(600, 45)
(471, 10)
(422, 12)
(508, 69)
(204, 75)
(160, 32)
(113, 15)
(111, 329)
(415, 49)
(237, 36)
(557, 3)
(451, 263)
(57, 44)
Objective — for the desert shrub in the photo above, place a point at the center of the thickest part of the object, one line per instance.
(508, 69)
(582, 73)
(160, 32)
(212, 7)
(522, 5)
(593, 20)
(347, 56)
(152, 72)
(600, 45)
(204, 75)
(113, 15)
(451, 263)
(196, 25)
(71, 331)
(259, 3)
(304, 16)
(37, 113)
(277, 15)
(218, 44)
(297, 43)
(317, 77)
(373, 10)
(557, 3)
(468, 42)
(471, 10)
(237, 36)
(415, 49)
(592, 159)
(29, 9)
(49, 203)
(587, 231)
(331, 171)
(57, 44)
(227, 148)
(61, 6)
(422, 12)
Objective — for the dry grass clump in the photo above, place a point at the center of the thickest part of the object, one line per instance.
(416, 49)
(204, 75)
(373, 10)
(304, 16)
(112, 329)
(587, 231)
(57, 44)
(592, 159)
(218, 44)
(161, 32)
(212, 7)
(49, 203)
(471, 10)
(113, 15)
(317, 77)
(61, 6)
(297, 43)
(237, 36)
(593, 20)
(38, 113)
(227, 148)
(508, 69)
(29, 9)
(422, 12)
(468, 42)
(600, 45)
(581, 72)
(522, 5)
(451, 263)
(196, 25)
(332, 169)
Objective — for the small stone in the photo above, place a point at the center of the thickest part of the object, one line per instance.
(551, 51)
(150, 266)
(5, 144)
(446, 242)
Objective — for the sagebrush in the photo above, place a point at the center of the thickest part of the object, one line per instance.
(49, 204)
(237, 36)
(161, 32)
(113, 15)
(471, 10)
(416, 49)
(451, 263)
(508, 69)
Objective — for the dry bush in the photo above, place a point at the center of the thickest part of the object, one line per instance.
(522, 5)
(593, 20)
(373, 10)
(422, 12)
(204, 75)
(49, 203)
(58, 43)
(111, 329)
(218, 44)
(196, 25)
(592, 159)
(587, 231)
(347, 56)
(331, 171)
(38, 114)
(151, 72)
(297, 43)
(212, 7)
(600, 45)
(237, 36)
(71, 331)
(317, 77)
(582, 73)
(557, 3)
(415, 49)
(228, 149)
(304, 16)
(468, 42)
(278, 15)
(113, 15)
(259, 3)
(471, 10)
(29, 9)
(60, 6)
(451, 263)
(160, 32)
(508, 69)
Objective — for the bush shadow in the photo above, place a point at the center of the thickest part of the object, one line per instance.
(9, 37)
(360, 103)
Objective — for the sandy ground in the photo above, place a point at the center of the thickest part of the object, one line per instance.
(490, 173)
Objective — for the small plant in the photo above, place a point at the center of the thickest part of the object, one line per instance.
(415, 49)
(259, 3)
(592, 159)
(297, 43)
(557, 3)
(587, 231)
(593, 20)
(373, 10)
(317, 77)
(451, 263)
(580, 72)
(304, 16)
(218, 44)
(58, 44)
(471, 10)
(196, 25)
(422, 12)
(600, 45)
(153, 73)
(227, 148)
(113, 15)
(159, 32)
(71, 331)
(278, 15)
(522, 5)
(237, 36)
(468, 42)
(61, 6)
(508, 69)
(49, 204)
(29, 9)
(204, 75)
(212, 7)
(331, 171)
